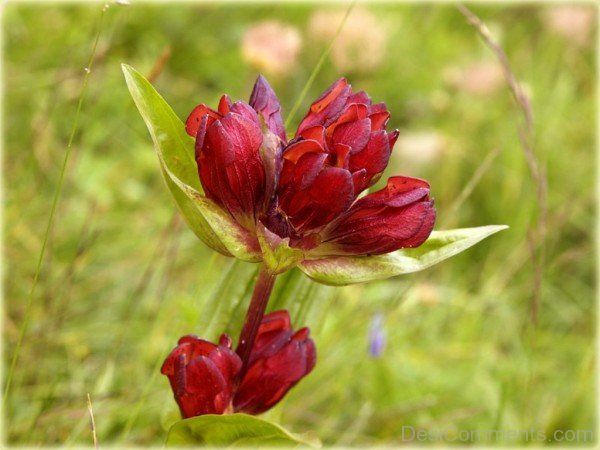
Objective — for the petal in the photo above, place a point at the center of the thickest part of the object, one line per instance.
(224, 105)
(379, 120)
(207, 389)
(327, 107)
(297, 177)
(275, 331)
(316, 133)
(330, 194)
(233, 171)
(330, 96)
(275, 321)
(373, 158)
(398, 216)
(298, 149)
(269, 379)
(191, 347)
(266, 103)
(193, 121)
(360, 97)
(393, 137)
(354, 134)
(246, 111)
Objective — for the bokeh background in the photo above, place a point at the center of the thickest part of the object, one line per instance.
(123, 277)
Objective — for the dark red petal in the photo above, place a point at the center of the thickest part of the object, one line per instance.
(351, 113)
(224, 105)
(379, 120)
(423, 233)
(274, 331)
(235, 174)
(297, 177)
(359, 179)
(377, 108)
(269, 378)
(398, 216)
(327, 107)
(298, 149)
(316, 133)
(393, 137)
(225, 341)
(207, 390)
(360, 97)
(193, 121)
(384, 231)
(373, 158)
(275, 321)
(355, 134)
(190, 347)
(330, 194)
(331, 94)
(399, 191)
(340, 155)
(246, 111)
(266, 103)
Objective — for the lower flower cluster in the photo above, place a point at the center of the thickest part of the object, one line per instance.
(208, 378)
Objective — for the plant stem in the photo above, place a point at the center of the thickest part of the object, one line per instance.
(256, 311)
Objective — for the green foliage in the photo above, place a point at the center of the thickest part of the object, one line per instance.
(174, 149)
(441, 245)
(234, 430)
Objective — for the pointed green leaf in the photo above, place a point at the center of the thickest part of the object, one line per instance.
(238, 241)
(239, 430)
(441, 245)
(175, 148)
(277, 254)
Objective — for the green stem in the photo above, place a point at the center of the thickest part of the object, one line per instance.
(256, 311)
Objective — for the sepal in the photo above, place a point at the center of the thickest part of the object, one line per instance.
(277, 254)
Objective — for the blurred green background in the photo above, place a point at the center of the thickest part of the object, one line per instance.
(123, 277)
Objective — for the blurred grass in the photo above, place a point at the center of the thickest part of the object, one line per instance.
(123, 278)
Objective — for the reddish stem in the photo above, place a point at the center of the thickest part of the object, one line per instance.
(256, 311)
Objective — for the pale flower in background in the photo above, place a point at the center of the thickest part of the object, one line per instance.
(573, 22)
(272, 47)
(428, 293)
(361, 44)
(419, 148)
(478, 78)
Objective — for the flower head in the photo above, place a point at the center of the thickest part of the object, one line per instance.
(204, 376)
(303, 194)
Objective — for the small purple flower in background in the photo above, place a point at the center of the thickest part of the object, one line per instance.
(377, 336)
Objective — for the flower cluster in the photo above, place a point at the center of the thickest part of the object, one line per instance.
(205, 376)
(301, 195)
(305, 191)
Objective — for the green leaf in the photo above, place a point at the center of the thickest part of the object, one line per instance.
(441, 245)
(175, 150)
(277, 254)
(239, 430)
(238, 241)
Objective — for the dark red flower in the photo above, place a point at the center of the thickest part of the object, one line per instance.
(280, 358)
(307, 189)
(203, 375)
